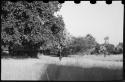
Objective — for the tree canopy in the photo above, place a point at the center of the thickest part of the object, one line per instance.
(32, 24)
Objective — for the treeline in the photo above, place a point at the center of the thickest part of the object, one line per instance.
(88, 45)
(29, 28)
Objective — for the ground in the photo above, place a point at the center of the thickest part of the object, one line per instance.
(88, 67)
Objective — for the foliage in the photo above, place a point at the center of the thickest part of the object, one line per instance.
(110, 48)
(80, 44)
(119, 48)
(27, 26)
(106, 39)
(96, 49)
(90, 41)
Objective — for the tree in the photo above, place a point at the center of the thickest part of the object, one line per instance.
(29, 25)
(106, 39)
(96, 49)
(103, 50)
(81, 44)
(91, 42)
(119, 48)
(110, 48)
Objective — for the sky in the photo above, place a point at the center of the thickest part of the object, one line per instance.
(98, 19)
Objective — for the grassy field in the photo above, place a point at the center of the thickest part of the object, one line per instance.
(88, 67)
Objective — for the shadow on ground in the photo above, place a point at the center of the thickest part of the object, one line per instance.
(72, 73)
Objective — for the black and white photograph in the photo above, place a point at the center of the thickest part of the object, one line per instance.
(53, 41)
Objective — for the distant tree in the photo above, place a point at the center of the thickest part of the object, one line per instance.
(106, 39)
(81, 45)
(77, 44)
(110, 48)
(29, 25)
(119, 48)
(103, 50)
(96, 49)
(91, 42)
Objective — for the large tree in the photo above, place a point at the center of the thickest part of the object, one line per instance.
(29, 25)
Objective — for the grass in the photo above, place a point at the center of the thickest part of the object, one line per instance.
(77, 73)
(70, 68)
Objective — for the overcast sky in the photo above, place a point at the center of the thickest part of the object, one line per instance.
(98, 19)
